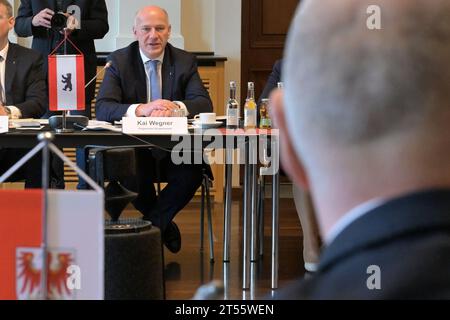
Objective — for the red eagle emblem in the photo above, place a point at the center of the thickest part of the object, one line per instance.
(28, 270)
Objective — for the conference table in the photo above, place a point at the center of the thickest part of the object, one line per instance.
(252, 143)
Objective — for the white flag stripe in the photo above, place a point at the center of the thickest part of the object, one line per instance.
(76, 222)
(66, 69)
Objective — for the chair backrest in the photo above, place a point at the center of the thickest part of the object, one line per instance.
(111, 163)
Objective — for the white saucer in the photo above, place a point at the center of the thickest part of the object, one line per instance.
(207, 125)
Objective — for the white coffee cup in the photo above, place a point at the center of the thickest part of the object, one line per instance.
(206, 118)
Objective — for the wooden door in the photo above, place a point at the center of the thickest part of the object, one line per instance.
(265, 24)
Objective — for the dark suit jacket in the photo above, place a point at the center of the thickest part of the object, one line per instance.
(25, 84)
(408, 238)
(94, 25)
(274, 78)
(125, 84)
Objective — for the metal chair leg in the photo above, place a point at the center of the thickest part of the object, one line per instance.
(261, 199)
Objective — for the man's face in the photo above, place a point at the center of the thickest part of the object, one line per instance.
(152, 30)
(6, 23)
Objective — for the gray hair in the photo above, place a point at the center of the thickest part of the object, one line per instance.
(348, 85)
(144, 8)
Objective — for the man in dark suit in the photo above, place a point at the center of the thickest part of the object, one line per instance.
(152, 78)
(272, 81)
(33, 19)
(365, 128)
(22, 94)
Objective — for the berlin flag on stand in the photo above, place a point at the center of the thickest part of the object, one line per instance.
(66, 82)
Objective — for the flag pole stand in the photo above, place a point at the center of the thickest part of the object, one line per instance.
(45, 138)
(64, 128)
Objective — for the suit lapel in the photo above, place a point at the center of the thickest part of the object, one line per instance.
(10, 72)
(141, 79)
(167, 74)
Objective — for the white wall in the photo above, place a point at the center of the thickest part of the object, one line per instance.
(227, 38)
(214, 25)
(198, 24)
(121, 15)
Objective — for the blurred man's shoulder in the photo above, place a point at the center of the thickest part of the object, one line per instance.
(24, 52)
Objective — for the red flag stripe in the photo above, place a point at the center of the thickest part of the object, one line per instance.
(52, 83)
(80, 83)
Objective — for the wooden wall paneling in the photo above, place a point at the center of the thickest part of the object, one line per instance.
(265, 24)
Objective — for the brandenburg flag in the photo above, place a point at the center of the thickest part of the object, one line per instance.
(66, 82)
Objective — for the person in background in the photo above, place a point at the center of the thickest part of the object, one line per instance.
(302, 199)
(151, 78)
(23, 94)
(34, 19)
(364, 123)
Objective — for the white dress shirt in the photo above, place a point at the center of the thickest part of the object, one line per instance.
(352, 216)
(131, 112)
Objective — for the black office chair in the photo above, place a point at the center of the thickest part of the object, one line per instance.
(113, 164)
(207, 178)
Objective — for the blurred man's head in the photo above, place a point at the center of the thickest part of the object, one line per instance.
(6, 19)
(369, 109)
(152, 30)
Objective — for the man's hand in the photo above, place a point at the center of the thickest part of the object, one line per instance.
(157, 108)
(43, 18)
(3, 111)
(72, 24)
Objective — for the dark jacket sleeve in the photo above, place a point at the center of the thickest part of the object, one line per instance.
(109, 106)
(95, 26)
(197, 98)
(273, 80)
(36, 98)
(23, 26)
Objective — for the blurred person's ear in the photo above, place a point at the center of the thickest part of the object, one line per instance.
(288, 158)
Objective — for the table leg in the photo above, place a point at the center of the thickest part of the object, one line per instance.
(246, 221)
(254, 189)
(227, 207)
(275, 228)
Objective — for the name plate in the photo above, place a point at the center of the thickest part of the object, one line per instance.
(4, 122)
(155, 125)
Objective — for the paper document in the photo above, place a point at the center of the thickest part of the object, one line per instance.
(102, 125)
